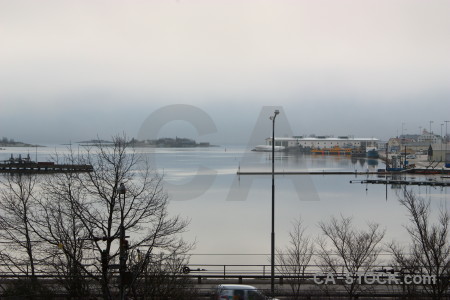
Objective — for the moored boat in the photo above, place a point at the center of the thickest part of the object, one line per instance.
(332, 151)
(372, 152)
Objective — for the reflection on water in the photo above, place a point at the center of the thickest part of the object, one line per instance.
(306, 162)
(200, 181)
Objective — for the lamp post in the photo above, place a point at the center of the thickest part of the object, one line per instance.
(403, 136)
(446, 140)
(442, 137)
(272, 248)
(122, 251)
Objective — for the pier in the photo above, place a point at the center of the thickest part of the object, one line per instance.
(26, 165)
(43, 167)
(378, 172)
(307, 173)
(402, 182)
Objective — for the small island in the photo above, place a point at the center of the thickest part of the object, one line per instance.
(6, 142)
(169, 143)
(94, 142)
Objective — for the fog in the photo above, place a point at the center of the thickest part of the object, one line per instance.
(76, 70)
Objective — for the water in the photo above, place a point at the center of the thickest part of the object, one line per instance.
(231, 214)
(234, 214)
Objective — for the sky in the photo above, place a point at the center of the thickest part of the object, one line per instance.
(76, 70)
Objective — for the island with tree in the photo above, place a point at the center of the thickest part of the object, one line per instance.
(8, 142)
(169, 143)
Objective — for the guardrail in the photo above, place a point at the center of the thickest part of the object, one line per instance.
(381, 282)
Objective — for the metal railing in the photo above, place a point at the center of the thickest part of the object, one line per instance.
(389, 283)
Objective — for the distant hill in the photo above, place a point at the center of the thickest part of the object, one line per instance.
(169, 143)
(95, 142)
(7, 142)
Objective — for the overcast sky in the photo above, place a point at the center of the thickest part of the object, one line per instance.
(74, 70)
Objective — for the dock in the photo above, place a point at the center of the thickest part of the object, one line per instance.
(378, 172)
(366, 181)
(402, 182)
(21, 165)
(43, 168)
(307, 173)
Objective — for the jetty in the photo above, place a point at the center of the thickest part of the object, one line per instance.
(43, 167)
(26, 165)
(377, 172)
(389, 176)
(306, 173)
(402, 182)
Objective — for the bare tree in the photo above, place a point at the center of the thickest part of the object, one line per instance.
(429, 251)
(59, 225)
(349, 251)
(294, 260)
(120, 206)
(16, 206)
(21, 252)
(161, 277)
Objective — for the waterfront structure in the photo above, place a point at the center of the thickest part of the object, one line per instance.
(321, 142)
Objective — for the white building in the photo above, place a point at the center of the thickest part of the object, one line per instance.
(427, 137)
(320, 142)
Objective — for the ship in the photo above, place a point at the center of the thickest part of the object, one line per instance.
(332, 151)
(372, 152)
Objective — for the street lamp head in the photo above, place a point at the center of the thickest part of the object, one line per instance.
(122, 189)
(275, 114)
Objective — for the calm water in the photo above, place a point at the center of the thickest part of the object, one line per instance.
(231, 214)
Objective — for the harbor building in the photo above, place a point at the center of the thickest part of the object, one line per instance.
(429, 138)
(323, 142)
